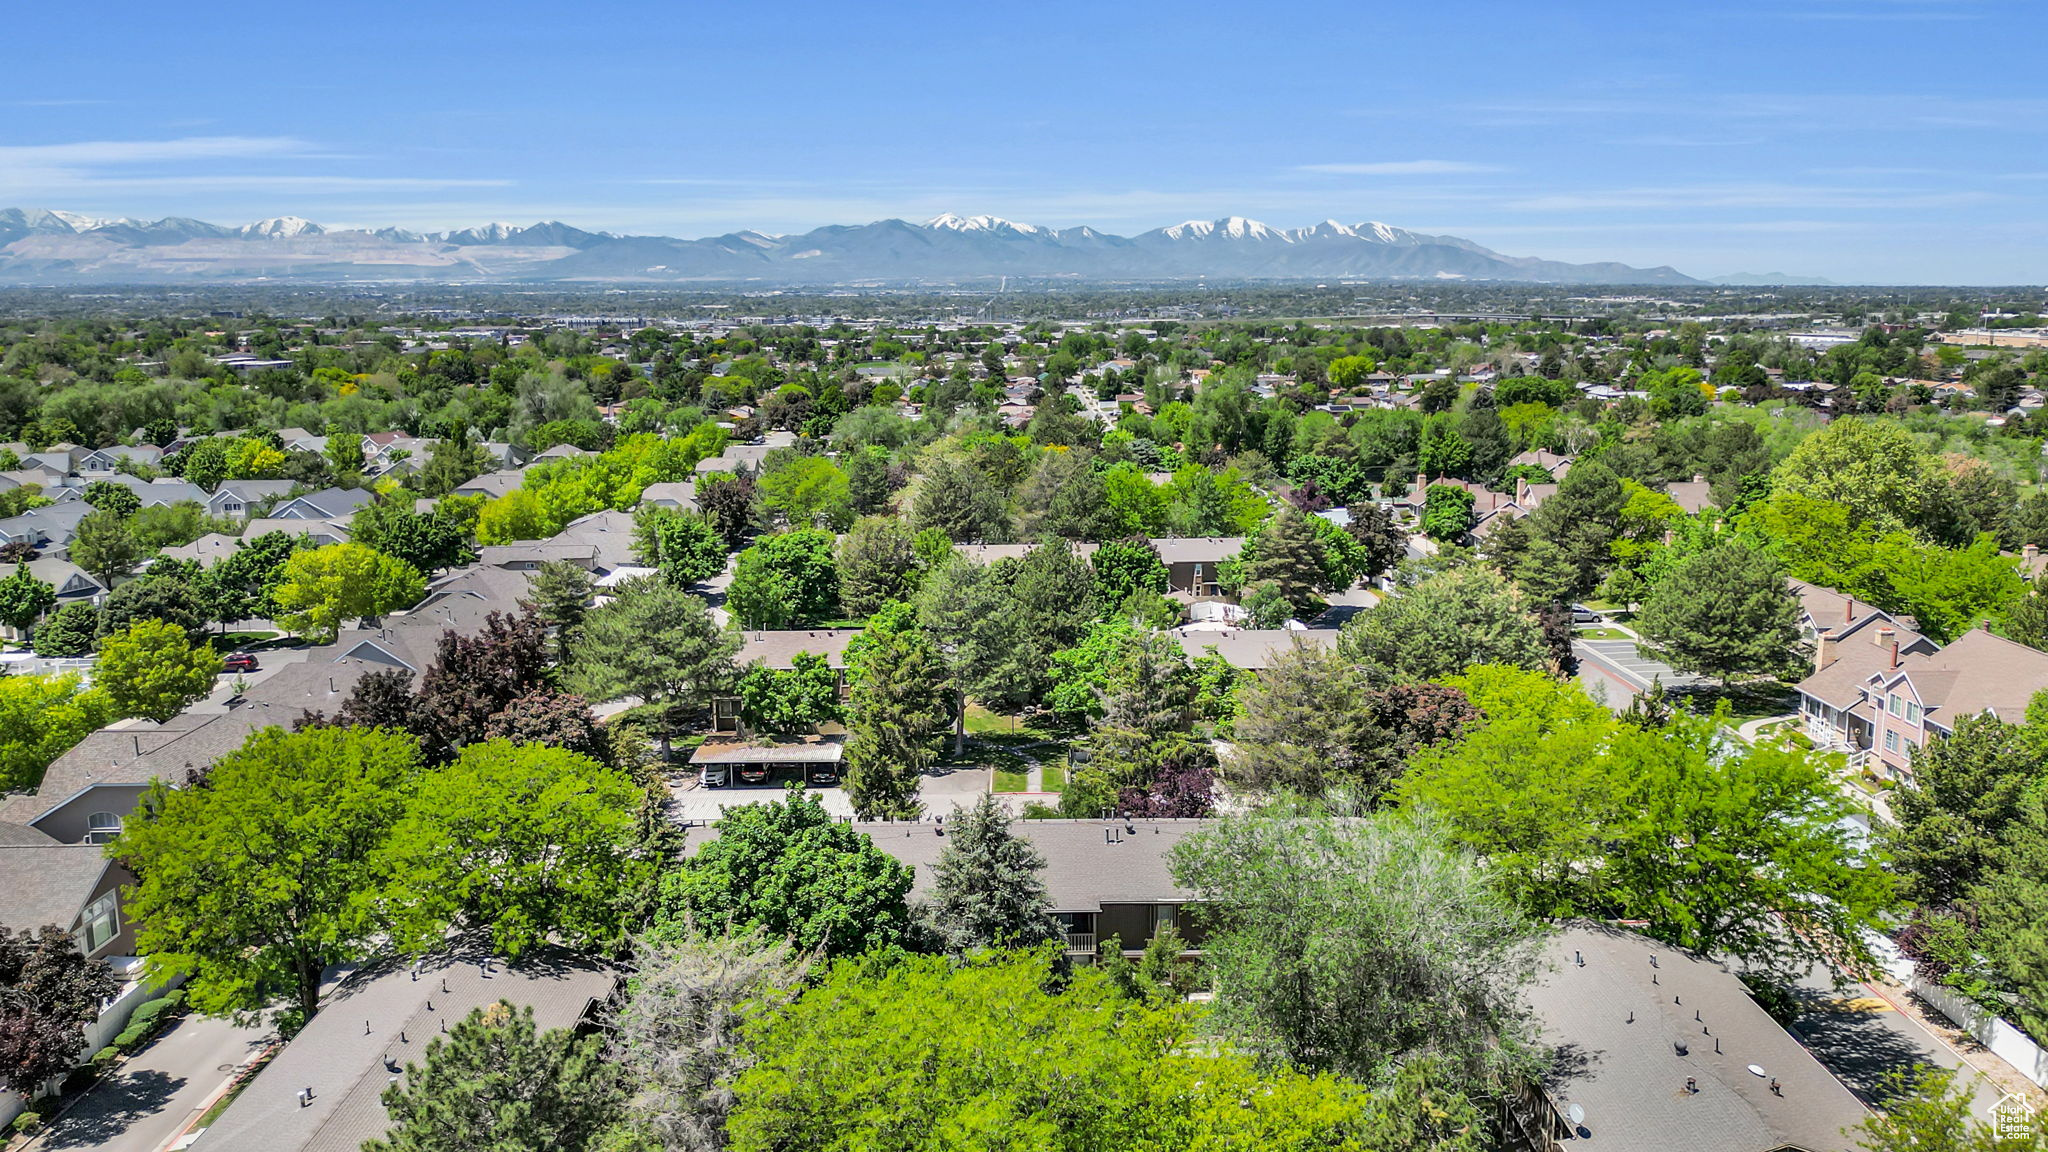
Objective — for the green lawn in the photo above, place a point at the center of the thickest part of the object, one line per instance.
(1054, 775)
(1011, 781)
(238, 639)
(1601, 634)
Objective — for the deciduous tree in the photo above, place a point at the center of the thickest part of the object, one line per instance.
(152, 670)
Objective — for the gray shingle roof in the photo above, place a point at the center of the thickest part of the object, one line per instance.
(344, 1063)
(47, 883)
(1629, 1077)
(779, 649)
(1252, 649)
(1088, 863)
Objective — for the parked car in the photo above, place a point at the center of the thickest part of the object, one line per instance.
(713, 776)
(239, 662)
(824, 776)
(1584, 615)
(753, 773)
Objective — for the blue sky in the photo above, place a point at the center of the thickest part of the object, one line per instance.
(1863, 140)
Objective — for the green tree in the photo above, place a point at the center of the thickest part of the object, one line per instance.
(1124, 568)
(152, 670)
(688, 1026)
(1313, 724)
(427, 542)
(524, 841)
(1381, 542)
(1966, 796)
(789, 701)
(1717, 848)
(24, 599)
(925, 1053)
(682, 545)
(878, 563)
(791, 871)
(1573, 534)
(173, 592)
(1723, 612)
(809, 492)
(655, 642)
(318, 589)
(1287, 553)
(259, 882)
(1447, 512)
(107, 496)
(105, 547)
(987, 891)
(1873, 467)
(41, 717)
(496, 1083)
(1443, 625)
(901, 701)
(69, 632)
(1359, 946)
(560, 595)
(1926, 1111)
(786, 580)
(345, 453)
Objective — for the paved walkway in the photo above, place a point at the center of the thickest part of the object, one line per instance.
(148, 1102)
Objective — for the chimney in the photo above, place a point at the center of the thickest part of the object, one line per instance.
(1823, 651)
(1895, 654)
(1886, 636)
(1849, 610)
(1521, 490)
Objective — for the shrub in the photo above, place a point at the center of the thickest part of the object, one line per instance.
(26, 1124)
(105, 1057)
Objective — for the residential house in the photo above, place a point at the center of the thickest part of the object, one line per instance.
(74, 886)
(1252, 649)
(1656, 1049)
(101, 462)
(324, 1090)
(1104, 878)
(735, 457)
(320, 532)
(1552, 462)
(778, 650)
(1923, 696)
(326, 504)
(1694, 495)
(680, 495)
(492, 484)
(69, 580)
(239, 499)
(52, 526)
(1194, 563)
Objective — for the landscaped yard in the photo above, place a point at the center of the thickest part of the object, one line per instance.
(1011, 781)
(1598, 633)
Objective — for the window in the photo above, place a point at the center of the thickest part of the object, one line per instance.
(1891, 740)
(1912, 712)
(1162, 917)
(102, 827)
(102, 920)
(1897, 706)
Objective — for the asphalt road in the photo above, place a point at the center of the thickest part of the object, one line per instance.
(1862, 1038)
(146, 1104)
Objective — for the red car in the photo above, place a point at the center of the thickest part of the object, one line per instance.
(239, 662)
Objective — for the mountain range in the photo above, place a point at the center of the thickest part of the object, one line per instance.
(50, 247)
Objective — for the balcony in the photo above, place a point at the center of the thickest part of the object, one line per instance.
(1081, 942)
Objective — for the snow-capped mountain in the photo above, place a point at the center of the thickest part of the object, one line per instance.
(280, 228)
(49, 246)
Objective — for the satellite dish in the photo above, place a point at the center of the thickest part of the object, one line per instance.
(1756, 1069)
(1575, 1114)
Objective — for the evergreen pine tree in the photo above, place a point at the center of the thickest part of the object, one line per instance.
(986, 887)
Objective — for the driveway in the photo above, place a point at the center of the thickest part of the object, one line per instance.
(1862, 1037)
(158, 1091)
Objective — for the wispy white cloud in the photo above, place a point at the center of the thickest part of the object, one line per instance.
(96, 153)
(1399, 168)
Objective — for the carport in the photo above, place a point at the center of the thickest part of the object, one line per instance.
(784, 761)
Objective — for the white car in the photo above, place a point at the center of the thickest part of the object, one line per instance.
(713, 776)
